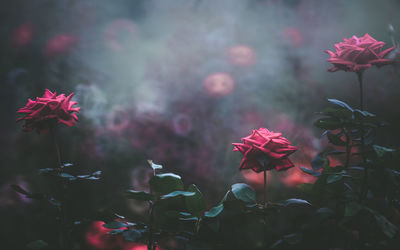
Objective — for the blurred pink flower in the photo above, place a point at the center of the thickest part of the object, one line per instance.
(59, 44)
(241, 55)
(356, 54)
(22, 35)
(119, 33)
(219, 84)
(294, 36)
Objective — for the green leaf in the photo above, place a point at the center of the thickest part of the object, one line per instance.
(139, 195)
(244, 192)
(293, 201)
(310, 171)
(334, 177)
(67, 176)
(97, 173)
(132, 235)
(196, 203)
(166, 183)
(325, 212)
(66, 165)
(381, 151)
(177, 193)
(46, 170)
(54, 202)
(340, 103)
(20, 190)
(153, 165)
(115, 225)
(116, 231)
(387, 227)
(335, 140)
(329, 123)
(335, 152)
(37, 244)
(319, 161)
(214, 211)
(352, 209)
(338, 112)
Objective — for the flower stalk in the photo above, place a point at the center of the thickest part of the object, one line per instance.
(364, 189)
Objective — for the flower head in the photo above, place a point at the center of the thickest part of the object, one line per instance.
(265, 150)
(356, 54)
(39, 113)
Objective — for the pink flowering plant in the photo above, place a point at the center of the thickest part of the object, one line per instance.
(351, 205)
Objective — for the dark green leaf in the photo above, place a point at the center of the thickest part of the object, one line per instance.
(293, 238)
(325, 212)
(340, 103)
(319, 161)
(46, 170)
(381, 151)
(153, 165)
(115, 225)
(132, 235)
(293, 201)
(177, 193)
(335, 152)
(116, 231)
(214, 211)
(67, 176)
(244, 192)
(333, 178)
(196, 203)
(97, 173)
(54, 202)
(387, 227)
(37, 244)
(166, 183)
(352, 209)
(328, 123)
(338, 112)
(310, 171)
(335, 140)
(65, 165)
(20, 190)
(139, 195)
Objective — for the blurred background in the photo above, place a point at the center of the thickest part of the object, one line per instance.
(177, 82)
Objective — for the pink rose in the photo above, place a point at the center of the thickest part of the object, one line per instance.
(265, 150)
(358, 53)
(49, 107)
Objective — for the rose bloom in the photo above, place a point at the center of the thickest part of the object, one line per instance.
(265, 150)
(49, 108)
(356, 54)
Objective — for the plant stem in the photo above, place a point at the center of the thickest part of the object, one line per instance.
(364, 190)
(265, 188)
(150, 243)
(360, 81)
(53, 135)
(61, 208)
(348, 149)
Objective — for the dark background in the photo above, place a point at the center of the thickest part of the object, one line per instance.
(137, 69)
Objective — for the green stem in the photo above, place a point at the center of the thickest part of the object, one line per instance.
(348, 149)
(150, 243)
(364, 191)
(62, 214)
(265, 188)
